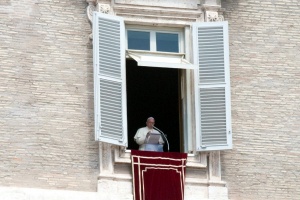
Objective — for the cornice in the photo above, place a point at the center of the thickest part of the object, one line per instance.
(157, 15)
(146, 15)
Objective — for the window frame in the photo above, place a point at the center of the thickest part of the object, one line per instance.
(153, 31)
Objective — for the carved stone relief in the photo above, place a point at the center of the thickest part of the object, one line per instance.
(213, 11)
(103, 8)
(98, 7)
(212, 16)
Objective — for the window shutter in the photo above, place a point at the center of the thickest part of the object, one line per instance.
(212, 77)
(109, 79)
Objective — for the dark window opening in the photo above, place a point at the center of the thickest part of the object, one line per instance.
(153, 91)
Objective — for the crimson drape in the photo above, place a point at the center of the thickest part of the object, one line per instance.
(158, 175)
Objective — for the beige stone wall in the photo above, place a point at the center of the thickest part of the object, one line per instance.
(46, 96)
(265, 82)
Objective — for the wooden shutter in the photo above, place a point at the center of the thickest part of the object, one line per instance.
(109, 79)
(212, 91)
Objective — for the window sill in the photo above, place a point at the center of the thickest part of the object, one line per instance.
(122, 156)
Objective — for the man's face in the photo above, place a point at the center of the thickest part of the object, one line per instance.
(150, 123)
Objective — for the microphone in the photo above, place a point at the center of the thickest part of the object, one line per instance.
(162, 133)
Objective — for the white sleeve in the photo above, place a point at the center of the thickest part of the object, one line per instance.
(140, 137)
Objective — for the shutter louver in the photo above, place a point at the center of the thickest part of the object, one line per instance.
(109, 48)
(111, 109)
(211, 55)
(213, 116)
(213, 86)
(109, 75)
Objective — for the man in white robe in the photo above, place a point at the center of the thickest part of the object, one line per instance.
(142, 135)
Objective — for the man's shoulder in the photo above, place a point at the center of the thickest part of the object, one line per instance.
(143, 128)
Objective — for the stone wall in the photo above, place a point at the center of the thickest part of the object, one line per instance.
(265, 82)
(46, 96)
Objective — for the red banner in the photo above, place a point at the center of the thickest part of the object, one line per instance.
(158, 175)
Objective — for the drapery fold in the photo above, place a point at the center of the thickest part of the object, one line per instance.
(158, 175)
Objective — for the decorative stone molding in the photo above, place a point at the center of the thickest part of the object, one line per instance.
(98, 7)
(121, 156)
(213, 16)
(146, 15)
(157, 16)
(212, 10)
(103, 8)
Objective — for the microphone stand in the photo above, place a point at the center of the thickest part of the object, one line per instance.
(162, 133)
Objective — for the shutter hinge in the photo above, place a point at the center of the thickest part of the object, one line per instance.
(229, 132)
(202, 147)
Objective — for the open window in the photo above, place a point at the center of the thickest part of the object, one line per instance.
(211, 79)
(157, 47)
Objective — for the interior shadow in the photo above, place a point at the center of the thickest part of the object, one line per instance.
(153, 92)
